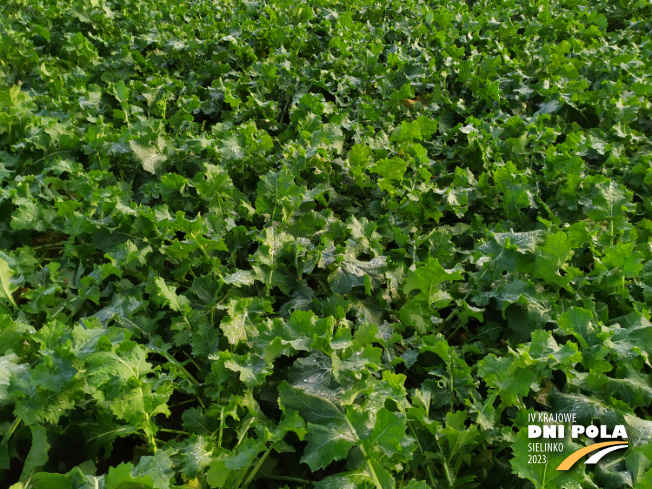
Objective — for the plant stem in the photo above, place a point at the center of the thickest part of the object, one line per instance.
(449, 479)
(14, 426)
(450, 373)
(192, 360)
(370, 467)
(257, 467)
(176, 432)
(219, 439)
(177, 364)
(287, 478)
(188, 375)
(244, 432)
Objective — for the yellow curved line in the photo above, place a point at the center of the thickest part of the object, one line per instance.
(575, 456)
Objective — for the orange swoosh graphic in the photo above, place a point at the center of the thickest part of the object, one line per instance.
(575, 456)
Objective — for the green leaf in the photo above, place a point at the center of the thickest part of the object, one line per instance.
(631, 386)
(555, 251)
(302, 331)
(407, 131)
(427, 126)
(121, 92)
(359, 159)
(609, 201)
(245, 454)
(352, 272)
(176, 302)
(389, 433)
(330, 434)
(546, 350)
(118, 376)
(216, 187)
(269, 260)
(101, 432)
(278, 196)
(7, 288)
(13, 333)
(578, 322)
(524, 242)
(194, 455)
(392, 169)
(426, 279)
(551, 257)
(9, 366)
(75, 478)
(419, 315)
(152, 157)
(624, 257)
(244, 318)
(218, 474)
(38, 453)
(121, 477)
(159, 467)
(512, 381)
